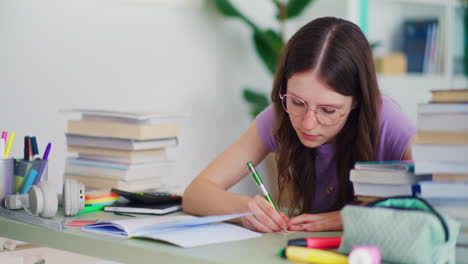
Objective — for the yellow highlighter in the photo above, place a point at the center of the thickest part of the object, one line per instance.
(8, 146)
(307, 255)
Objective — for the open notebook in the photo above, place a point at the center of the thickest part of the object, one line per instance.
(180, 230)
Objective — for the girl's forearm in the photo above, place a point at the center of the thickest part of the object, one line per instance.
(203, 197)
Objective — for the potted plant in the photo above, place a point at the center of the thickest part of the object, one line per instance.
(268, 43)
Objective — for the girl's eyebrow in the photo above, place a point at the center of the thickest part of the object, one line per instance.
(337, 106)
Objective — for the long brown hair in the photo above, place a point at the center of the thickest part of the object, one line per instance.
(340, 54)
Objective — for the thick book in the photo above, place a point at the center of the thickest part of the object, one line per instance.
(130, 154)
(441, 137)
(430, 189)
(453, 95)
(437, 166)
(385, 176)
(388, 165)
(116, 171)
(122, 160)
(181, 230)
(108, 183)
(143, 208)
(441, 152)
(443, 108)
(383, 190)
(443, 122)
(142, 118)
(121, 130)
(118, 143)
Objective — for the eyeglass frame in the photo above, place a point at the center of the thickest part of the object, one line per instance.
(306, 106)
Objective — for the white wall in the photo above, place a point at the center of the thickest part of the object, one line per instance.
(149, 55)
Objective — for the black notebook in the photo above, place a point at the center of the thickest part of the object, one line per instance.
(142, 208)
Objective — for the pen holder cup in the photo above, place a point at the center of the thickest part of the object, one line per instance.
(6, 178)
(28, 173)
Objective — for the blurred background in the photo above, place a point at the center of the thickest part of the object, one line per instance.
(188, 56)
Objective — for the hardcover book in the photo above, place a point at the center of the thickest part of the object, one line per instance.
(121, 130)
(116, 171)
(118, 143)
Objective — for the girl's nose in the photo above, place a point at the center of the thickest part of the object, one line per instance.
(309, 120)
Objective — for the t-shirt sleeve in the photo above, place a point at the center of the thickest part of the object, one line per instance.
(265, 123)
(396, 130)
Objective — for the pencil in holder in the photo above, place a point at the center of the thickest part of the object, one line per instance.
(28, 173)
(6, 178)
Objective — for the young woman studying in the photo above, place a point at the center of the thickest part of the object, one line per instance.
(327, 113)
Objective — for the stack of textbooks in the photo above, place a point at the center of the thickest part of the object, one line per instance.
(442, 150)
(376, 180)
(123, 150)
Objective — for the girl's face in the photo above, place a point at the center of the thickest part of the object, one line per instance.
(316, 94)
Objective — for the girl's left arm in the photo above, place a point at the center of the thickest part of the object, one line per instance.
(316, 222)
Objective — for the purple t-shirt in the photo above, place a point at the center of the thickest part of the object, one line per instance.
(395, 132)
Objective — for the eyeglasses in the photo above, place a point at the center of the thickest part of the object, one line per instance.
(326, 115)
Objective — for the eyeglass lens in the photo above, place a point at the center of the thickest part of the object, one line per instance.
(296, 106)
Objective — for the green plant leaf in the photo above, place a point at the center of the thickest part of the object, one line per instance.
(375, 44)
(257, 101)
(268, 45)
(294, 8)
(227, 9)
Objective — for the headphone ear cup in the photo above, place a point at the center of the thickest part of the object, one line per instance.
(50, 199)
(73, 197)
(35, 200)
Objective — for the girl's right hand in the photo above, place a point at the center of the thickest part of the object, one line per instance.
(266, 219)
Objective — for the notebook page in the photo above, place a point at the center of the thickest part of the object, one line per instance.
(126, 227)
(203, 234)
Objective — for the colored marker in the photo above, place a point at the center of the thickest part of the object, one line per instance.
(43, 163)
(32, 175)
(4, 136)
(80, 223)
(35, 150)
(30, 151)
(92, 208)
(316, 242)
(319, 256)
(10, 142)
(26, 148)
(259, 182)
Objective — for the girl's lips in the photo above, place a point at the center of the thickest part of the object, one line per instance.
(310, 137)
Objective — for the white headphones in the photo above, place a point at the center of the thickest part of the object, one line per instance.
(42, 200)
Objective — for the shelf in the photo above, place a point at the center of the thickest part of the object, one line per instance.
(460, 82)
(441, 3)
(424, 80)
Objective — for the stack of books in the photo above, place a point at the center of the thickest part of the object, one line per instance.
(441, 149)
(123, 150)
(376, 180)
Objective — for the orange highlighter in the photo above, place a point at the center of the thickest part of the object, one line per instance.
(316, 242)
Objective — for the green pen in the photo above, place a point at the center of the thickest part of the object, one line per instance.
(259, 182)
